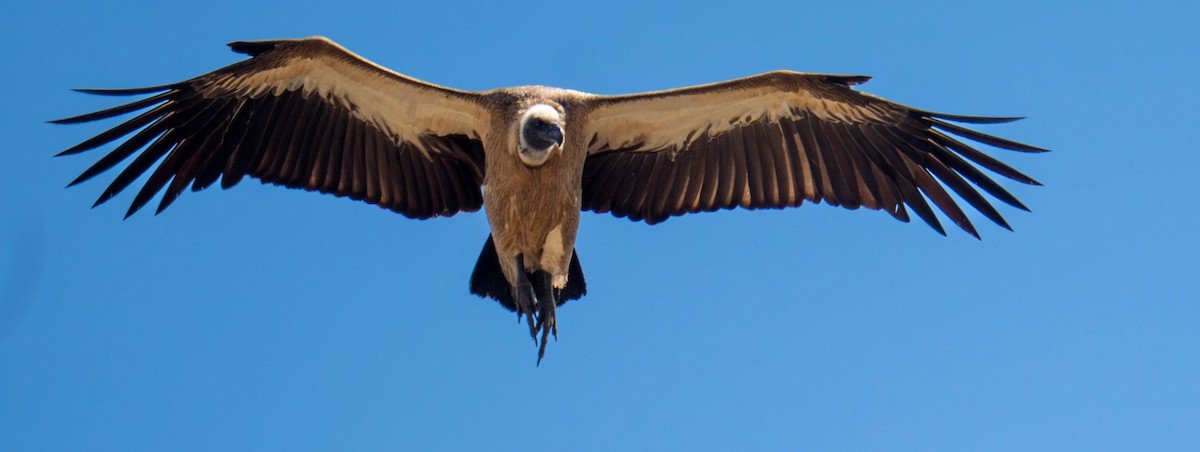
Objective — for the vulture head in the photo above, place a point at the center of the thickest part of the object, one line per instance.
(541, 134)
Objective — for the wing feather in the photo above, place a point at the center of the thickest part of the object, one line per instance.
(778, 139)
(302, 113)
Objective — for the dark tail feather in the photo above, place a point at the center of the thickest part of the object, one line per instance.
(488, 279)
(576, 285)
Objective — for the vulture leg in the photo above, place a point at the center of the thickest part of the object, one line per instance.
(524, 298)
(546, 320)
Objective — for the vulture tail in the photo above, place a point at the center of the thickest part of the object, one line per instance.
(488, 280)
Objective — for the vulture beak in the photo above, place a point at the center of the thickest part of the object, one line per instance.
(556, 135)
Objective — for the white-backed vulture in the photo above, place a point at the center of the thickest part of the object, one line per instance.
(308, 114)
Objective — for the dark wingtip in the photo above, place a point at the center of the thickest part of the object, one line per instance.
(965, 225)
(1002, 223)
(985, 138)
(78, 180)
(252, 48)
(124, 91)
(164, 203)
(930, 219)
(848, 80)
(134, 207)
(971, 230)
(971, 119)
(101, 200)
(1018, 204)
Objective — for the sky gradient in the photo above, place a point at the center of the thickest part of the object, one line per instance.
(260, 318)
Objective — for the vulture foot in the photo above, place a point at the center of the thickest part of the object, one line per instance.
(547, 322)
(524, 298)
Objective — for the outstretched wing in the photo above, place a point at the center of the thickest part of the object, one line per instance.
(777, 139)
(302, 113)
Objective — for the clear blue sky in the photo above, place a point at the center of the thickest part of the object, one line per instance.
(266, 319)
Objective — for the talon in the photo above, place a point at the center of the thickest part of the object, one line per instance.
(542, 348)
(525, 306)
(546, 304)
(532, 328)
(524, 297)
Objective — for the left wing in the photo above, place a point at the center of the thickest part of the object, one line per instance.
(777, 139)
(302, 113)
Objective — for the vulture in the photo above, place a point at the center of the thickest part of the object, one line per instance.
(309, 114)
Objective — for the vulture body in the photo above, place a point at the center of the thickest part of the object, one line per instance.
(306, 113)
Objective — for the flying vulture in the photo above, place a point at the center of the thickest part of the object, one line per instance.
(307, 113)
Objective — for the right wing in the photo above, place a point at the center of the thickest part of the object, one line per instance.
(302, 113)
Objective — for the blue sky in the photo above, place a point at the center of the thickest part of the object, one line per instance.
(268, 319)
